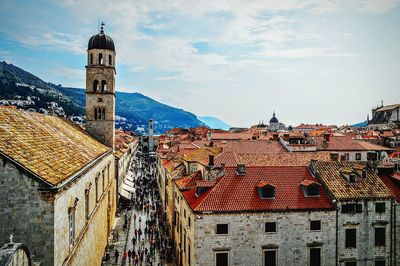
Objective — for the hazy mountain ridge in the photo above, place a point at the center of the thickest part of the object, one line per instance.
(214, 122)
(133, 109)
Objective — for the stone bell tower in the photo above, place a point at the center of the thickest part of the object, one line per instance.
(100, 88)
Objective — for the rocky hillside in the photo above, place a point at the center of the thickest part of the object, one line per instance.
(23, 89)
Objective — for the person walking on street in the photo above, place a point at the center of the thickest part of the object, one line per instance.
(129, 255)
(116, 254)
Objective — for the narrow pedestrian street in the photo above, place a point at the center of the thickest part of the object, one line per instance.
(139, 236)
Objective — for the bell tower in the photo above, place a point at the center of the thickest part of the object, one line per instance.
(100, 88)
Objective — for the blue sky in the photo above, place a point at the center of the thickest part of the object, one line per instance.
(313, 61)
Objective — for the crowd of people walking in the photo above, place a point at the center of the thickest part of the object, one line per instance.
(147, 242)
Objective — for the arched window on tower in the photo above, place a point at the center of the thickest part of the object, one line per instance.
(100, 58)
(103, 86)
(95, 85)
(110, 60)
(91, 59)
(95, 113)
(103, 113)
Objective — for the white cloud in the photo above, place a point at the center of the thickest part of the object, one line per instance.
(74, 77)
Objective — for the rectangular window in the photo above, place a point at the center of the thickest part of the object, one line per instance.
(350, 263)
(380, 207)
(380, 262)
(221, 259)
(352, 208)
(87, 194)
(346, 156)
(71, 222)
(358, 156)
(380, 236)
(97, 188)
(108, 173)
(270, 257)
(103, 179)
(189, 254)
(351, 238)
(270, 227)
(315, 256)
(189, 222)
(222, 229)
(315, 225)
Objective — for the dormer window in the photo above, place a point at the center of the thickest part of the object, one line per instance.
(265, 190)
(310, 188)
(352, 178)
(348, 174)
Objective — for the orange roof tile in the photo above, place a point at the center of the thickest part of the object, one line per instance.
(232, 193)
(51, 147)
(368, 188)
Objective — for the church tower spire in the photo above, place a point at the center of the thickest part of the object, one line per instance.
(100, 88)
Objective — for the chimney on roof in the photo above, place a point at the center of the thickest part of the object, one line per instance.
(275, 136)
(211, 160)
(240, 169)
(313, 166)
(327, 136)
(286, 137)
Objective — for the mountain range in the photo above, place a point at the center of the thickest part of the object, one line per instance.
(214, 122)
(133, 110)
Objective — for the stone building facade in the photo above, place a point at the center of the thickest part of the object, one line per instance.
(226, 221)
(58, 186)
(63, 195)
(364, 212)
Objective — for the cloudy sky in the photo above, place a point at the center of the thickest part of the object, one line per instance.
(312, 61)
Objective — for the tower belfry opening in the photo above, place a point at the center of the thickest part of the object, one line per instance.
(100, 88)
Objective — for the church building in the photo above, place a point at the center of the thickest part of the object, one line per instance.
(57, 189)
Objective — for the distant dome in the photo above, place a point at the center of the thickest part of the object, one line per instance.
(101, 41)
(274, 119)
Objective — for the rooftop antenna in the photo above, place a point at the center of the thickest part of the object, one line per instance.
(382, 102)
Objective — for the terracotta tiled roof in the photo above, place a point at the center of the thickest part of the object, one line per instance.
(274, 159)
(331, 174)
(232, 193)
(262, 184)
(201, 155)
(51, 147)
(231, 136)
(347, 143)
(188, 182)
(307, 182)
(122, 141)
(255, 147)
(393, 183)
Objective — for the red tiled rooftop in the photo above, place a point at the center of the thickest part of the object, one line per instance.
(347, 143)
(233, 193)
(255, 147)
(393, 184)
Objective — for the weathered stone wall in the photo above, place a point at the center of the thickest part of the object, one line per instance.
(365, 224)
(90, 234)
(247, 238)
(26, 212)
(184, 230)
